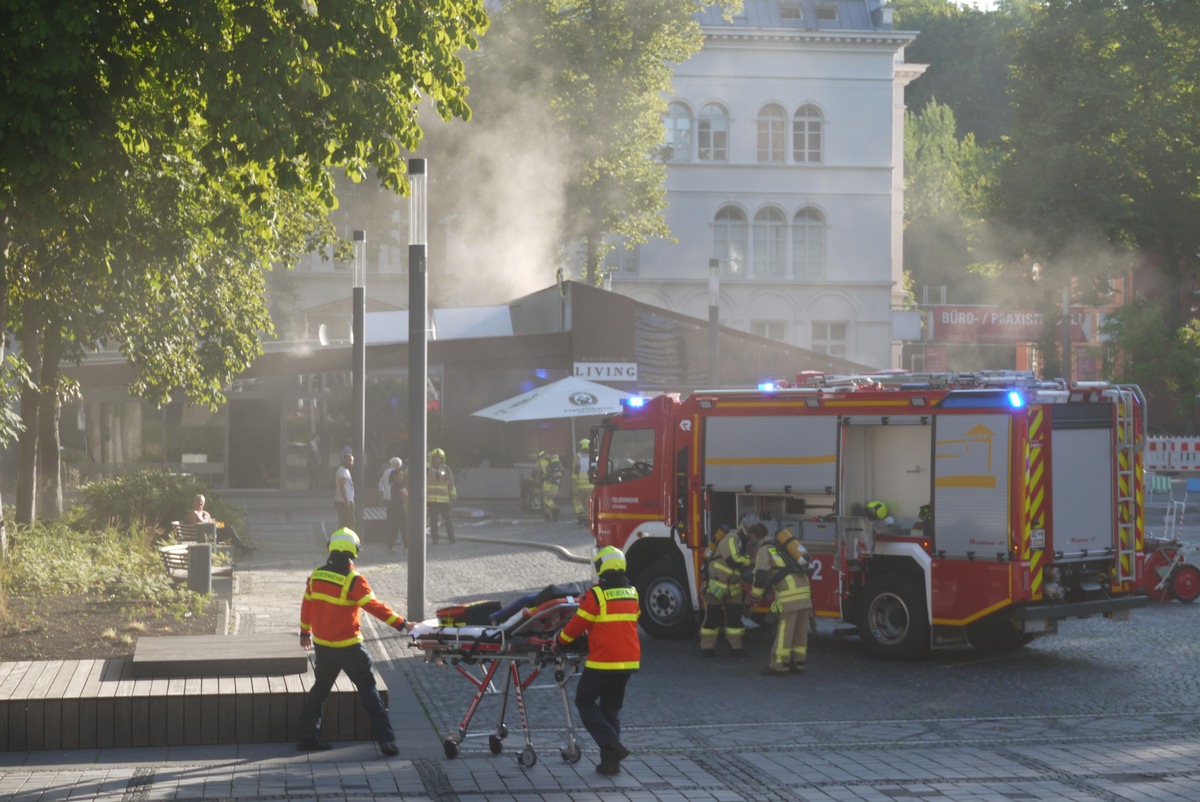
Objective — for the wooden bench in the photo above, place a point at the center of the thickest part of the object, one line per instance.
(175, 560)
(100, 704)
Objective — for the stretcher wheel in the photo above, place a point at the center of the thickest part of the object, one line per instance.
(527, 758)
(450, 747)
(571, 753)
(496, 744)
(502, 731)
(1155, 569)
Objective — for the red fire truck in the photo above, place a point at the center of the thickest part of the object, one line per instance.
(1013, 503)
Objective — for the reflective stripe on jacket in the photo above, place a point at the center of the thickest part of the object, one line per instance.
(609, 617)
(773, 572)
(440, 485)
(332, 601)
(725, 567)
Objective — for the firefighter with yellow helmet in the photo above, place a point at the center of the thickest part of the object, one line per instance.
(329, 622)
(780, 566)
(440, 491)
(581, 490)
(608, 615)
(551, 471)
(727, 558)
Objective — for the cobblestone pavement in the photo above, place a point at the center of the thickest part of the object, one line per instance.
(1103, 711)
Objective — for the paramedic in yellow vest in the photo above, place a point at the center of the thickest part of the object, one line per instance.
(439, 491)
(552, 471)
(792, 604)
(723, 594)
(581, 492)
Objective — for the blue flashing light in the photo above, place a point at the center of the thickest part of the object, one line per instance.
(633, 402)
(1016, 399)
(767, 387)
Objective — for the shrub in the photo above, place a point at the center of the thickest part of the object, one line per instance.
(153, 499)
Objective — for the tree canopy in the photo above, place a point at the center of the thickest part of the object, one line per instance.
(156, 158)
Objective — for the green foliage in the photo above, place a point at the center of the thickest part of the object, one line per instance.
(1144, 350)
(53, 559)
(152, 499)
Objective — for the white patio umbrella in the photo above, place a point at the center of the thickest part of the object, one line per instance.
(566, 398)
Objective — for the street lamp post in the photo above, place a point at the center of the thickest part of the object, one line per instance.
(359, 300)
(714, 322)
(417, 377)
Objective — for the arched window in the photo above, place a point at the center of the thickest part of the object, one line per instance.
(807, 133)
(772, 133)
(770, 243)
(679, 133)
(713, 133)
(729, 241)
(808, 244)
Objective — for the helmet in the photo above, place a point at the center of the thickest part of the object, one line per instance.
(585, 444)
(877, 510)
(541, 454)
(344, 539)
(609, 558)
(437, 452)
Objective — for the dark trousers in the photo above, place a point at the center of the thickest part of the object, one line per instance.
(356, 662)
(396, 524)
(345, 512)
(599, 699)
(439, 510)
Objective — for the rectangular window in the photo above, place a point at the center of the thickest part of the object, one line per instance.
(713, 142)
(621, 259)
(771, 139)
(771, 329)
(829, 337)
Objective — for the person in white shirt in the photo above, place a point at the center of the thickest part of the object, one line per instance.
(343, 492)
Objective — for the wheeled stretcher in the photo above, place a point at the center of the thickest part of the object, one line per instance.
(520, 634)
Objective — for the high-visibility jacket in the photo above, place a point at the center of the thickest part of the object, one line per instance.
(726, 566)
(580, 470)
(333, 597)
(608, 613)
(440, 485)
(773, 572)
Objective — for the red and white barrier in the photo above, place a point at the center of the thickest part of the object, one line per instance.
(1172, 455)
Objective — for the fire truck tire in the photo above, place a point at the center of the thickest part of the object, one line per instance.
(666, 604)
(1185, 585)
(892, 621)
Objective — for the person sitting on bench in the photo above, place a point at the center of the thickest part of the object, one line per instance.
(199, 515)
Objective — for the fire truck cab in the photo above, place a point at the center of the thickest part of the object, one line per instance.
(1012, 503)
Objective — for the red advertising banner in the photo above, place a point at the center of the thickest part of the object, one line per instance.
(991, 324)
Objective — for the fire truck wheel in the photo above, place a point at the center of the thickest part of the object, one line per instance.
(892, 621)
(1185, 585)
(666, 604)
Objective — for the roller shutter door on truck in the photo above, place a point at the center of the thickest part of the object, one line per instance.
(970, 485)
(1082, 470)
(771, 453)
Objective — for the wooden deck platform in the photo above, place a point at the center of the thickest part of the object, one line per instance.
(81, 704)
(219, 656)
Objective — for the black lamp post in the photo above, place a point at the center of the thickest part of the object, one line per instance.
(359, 300)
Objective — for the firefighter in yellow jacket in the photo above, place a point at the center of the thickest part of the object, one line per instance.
(723, 592)
(551, 470)
(581, 492)
(439, 492)
(329, 619)
(774, 571)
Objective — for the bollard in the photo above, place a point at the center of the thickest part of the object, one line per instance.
(199, 575)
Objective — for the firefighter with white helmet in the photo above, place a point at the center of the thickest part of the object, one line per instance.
(608, 614)
(780, 567)
(329, 622)
(581, 490)
(722, 591)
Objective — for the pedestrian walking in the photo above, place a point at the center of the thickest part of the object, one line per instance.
(329, 623)
(608, 615)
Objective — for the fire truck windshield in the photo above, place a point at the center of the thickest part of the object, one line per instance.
(630, 455)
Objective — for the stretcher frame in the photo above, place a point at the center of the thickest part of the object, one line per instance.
(525, 638)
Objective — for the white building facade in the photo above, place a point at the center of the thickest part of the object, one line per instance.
(785, 143)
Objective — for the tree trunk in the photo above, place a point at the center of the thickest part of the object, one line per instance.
(49, 466)
(27, 452)
(594, 265)
(3, 355)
